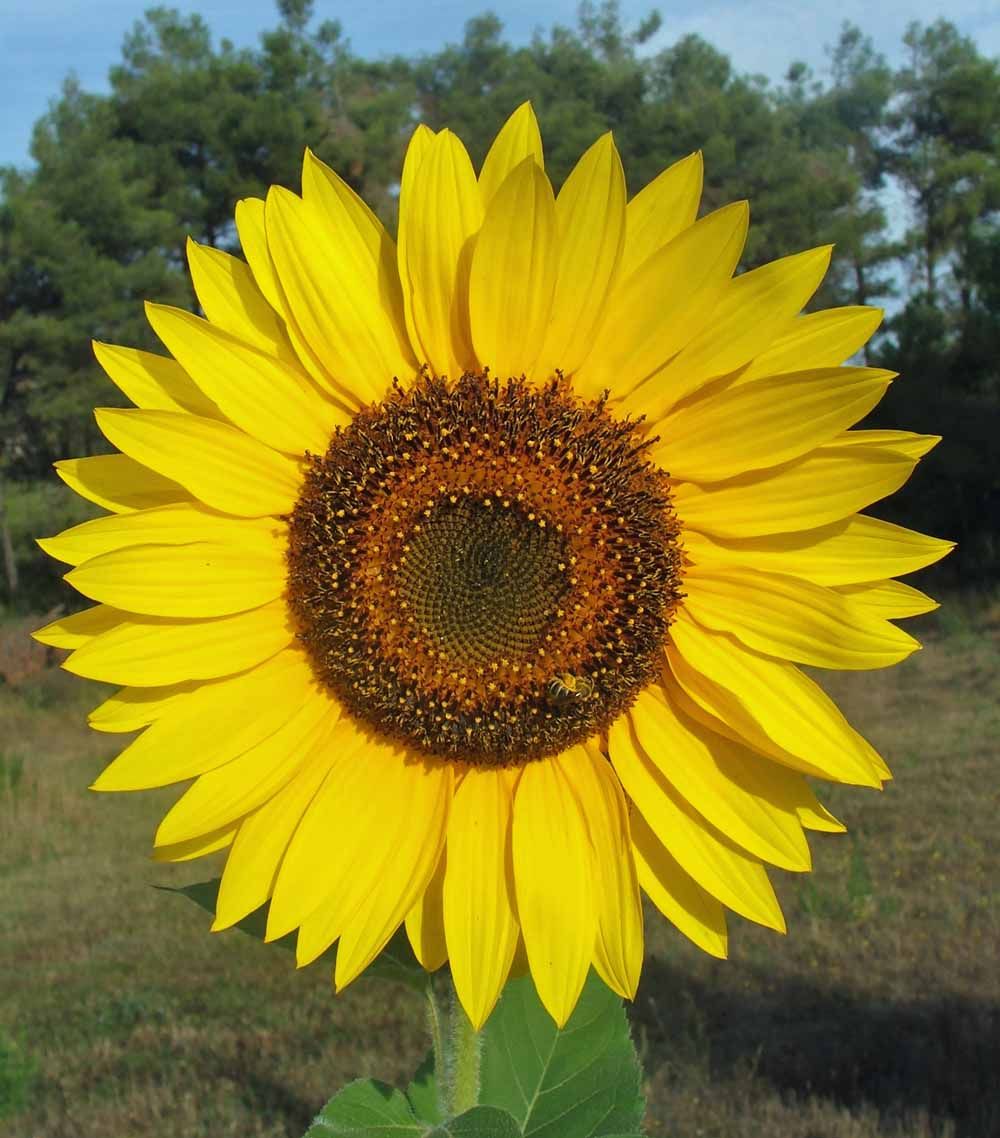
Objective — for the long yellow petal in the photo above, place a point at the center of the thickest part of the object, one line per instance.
(857, 549)
(263, 836)
(439, 214)
(711, 774)
(785, 616)
(197, 847)
(821, 339)
(770, 704)
(590, 216)
(200, 579)
(907, 443)
(273, 401)
(765, 423)
(425, 922)
(723, 869)
(129, 709)
(151, 651)
(663, 305)
(423, 797)
(355, 338)
(231, 791)
(556, 901)
(218, 464)
(513, 273)
(231, 298)
(165, 525)
(119, 483)
(661, 210)
(693, 910)
(79, 628)
(215, 723)
(153, 383)
(480, 924)
(253, 240)
(890, 600)
(519, 138)
(825, 486)
(751, 312)
(618, 948)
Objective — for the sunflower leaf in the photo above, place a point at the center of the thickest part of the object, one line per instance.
(395, 962)
(423, 1093)
(580, 1081)
(480, 1122)
(366, 1109)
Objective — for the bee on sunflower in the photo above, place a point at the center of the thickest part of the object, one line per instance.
(468, 575)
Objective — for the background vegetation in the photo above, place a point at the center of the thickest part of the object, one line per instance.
(97, 222)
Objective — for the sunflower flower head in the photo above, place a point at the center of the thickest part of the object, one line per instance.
(468, 575)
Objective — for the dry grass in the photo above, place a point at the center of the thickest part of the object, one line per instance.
(877, 1017)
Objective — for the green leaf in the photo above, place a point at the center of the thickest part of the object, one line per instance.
(366, 1109)
(395, 962)
(423, 1093)
(480, 1122)
(581, 1081)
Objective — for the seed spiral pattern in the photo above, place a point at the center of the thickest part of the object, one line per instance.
(463, 550)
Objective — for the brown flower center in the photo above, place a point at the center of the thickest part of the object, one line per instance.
(484, 570)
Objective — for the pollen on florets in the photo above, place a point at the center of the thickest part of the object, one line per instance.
(484, 570)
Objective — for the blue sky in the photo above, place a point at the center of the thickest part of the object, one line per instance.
(41, 41)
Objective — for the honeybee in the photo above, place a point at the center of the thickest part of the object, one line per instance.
(565, 688)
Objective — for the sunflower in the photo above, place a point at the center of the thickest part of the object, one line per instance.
(468, 576)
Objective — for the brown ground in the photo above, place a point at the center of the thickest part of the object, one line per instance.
(878, 1015)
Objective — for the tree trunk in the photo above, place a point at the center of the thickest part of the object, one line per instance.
(7, 548)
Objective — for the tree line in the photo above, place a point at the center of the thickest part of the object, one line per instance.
(899, 166)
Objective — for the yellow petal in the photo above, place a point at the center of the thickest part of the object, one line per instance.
(416, 151)
(197, 847)
(151, 651)
(513, 273)
(815, 816)
(854, 550)
(718, 866)
(166, 525)
(519, 138)
(215, 723)
(153, 383)
(764, 423)
(590, 217)
(261, 841)
(785, 616)
(663, 305)
(480, 924)
(715, 776)
(218, 464)
(751, 312)
(825, 486)
(425, 922)
(119, 483)
(770, 704)
(354, 335)
(230, 791)
(619, 945)
(898, 442)
(423, 798)
(79, 628)
(556, 900)
(821, 339)
(890, 600)
(253, 240)
(274, 402)
(661, 210)
(232, 300)
(201, 579)
(693, 910)
(131, 708)
(439, 212)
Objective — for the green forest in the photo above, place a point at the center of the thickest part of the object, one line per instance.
(899, 166)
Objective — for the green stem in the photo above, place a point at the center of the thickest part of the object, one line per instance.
(437, 1038)
(466, 1051)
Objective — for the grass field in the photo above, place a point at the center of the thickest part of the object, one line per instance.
(878, 1015)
